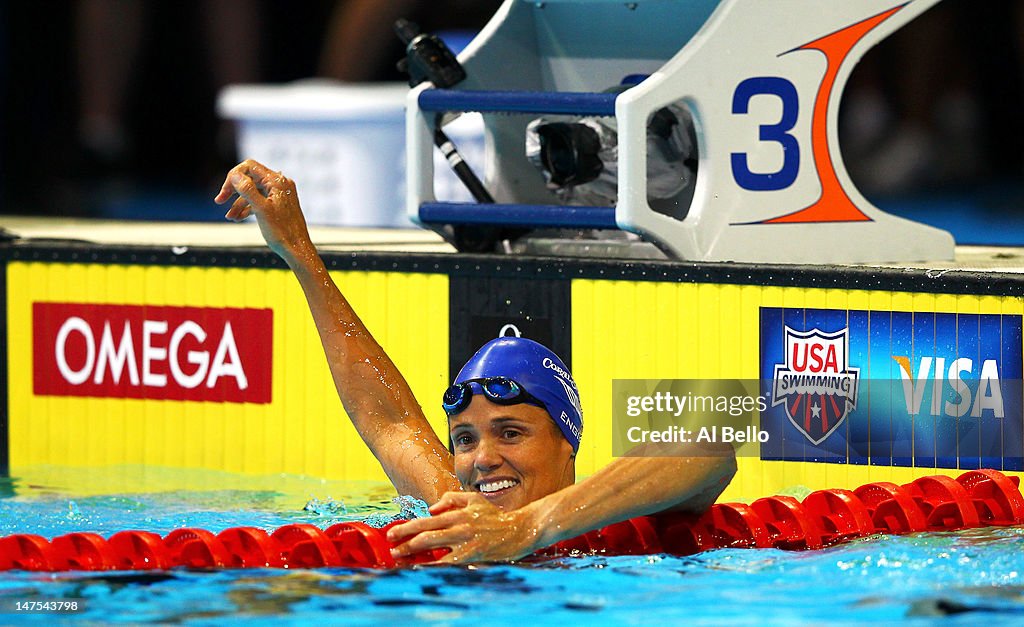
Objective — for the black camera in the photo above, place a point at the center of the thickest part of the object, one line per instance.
(579, 158)
(569, 152)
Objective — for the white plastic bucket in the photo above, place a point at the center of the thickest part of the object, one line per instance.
(344, 145)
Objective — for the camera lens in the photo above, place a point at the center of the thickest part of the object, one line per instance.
(568, 151)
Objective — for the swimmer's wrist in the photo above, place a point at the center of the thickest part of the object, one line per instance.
(542, 524)
(299, 255)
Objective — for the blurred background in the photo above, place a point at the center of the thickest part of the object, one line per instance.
(108, 106)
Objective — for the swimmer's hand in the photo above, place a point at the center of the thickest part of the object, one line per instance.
(272, 198)
(472, 527)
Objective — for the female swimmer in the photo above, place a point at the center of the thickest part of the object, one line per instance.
(508, 486)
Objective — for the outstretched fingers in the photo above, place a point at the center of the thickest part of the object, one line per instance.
(429, 541)
(248, 189)
(261, 174)
(239, 210)
(448, 530)
(273, 199)
(248, 179)
(227, 190)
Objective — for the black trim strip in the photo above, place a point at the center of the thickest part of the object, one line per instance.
(780, 275)
(5, 406)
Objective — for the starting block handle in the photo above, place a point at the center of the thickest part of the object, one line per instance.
(576, 103)
(536, 216)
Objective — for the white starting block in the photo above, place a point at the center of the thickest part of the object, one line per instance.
(763, 81)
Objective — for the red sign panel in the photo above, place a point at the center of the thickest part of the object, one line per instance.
(133, 351)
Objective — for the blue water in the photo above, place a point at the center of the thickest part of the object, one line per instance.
(962, 577)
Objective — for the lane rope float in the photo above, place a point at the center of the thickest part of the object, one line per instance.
(826, 517)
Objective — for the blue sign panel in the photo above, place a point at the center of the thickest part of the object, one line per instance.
(932, 390)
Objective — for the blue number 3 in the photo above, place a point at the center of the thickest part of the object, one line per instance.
(775, 86)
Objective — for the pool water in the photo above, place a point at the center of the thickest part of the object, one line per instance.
(964, 577)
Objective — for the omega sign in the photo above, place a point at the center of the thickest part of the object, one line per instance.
(131, 351)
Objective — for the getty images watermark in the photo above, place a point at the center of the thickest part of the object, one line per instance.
(687, 417)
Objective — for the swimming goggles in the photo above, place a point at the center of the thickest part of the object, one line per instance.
(499, 390)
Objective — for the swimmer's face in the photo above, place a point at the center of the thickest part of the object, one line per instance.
(510, 454)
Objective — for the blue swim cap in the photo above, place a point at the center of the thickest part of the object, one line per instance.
(539, 371)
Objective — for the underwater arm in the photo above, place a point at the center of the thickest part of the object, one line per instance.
(476, 530)
(375, 395)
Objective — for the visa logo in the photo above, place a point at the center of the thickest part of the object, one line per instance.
(959, 397)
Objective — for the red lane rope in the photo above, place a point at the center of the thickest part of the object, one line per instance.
(976, 498)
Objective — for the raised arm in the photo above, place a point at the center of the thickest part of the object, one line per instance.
(375, 395)
(476, 530)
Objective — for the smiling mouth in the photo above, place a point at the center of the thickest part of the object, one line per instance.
(497, 487)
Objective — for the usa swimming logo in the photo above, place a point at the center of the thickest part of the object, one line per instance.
(815, 383)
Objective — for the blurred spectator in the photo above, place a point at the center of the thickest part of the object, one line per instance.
(128, 87)
(125, 91)
(109, 37)
(36, 122)
(360, 44)
(3, 105)
(928, 106)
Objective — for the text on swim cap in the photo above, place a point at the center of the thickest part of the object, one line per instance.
(550, 365)
(576, 431)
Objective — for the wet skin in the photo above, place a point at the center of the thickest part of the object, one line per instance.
(515, 452)
(509, 454)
